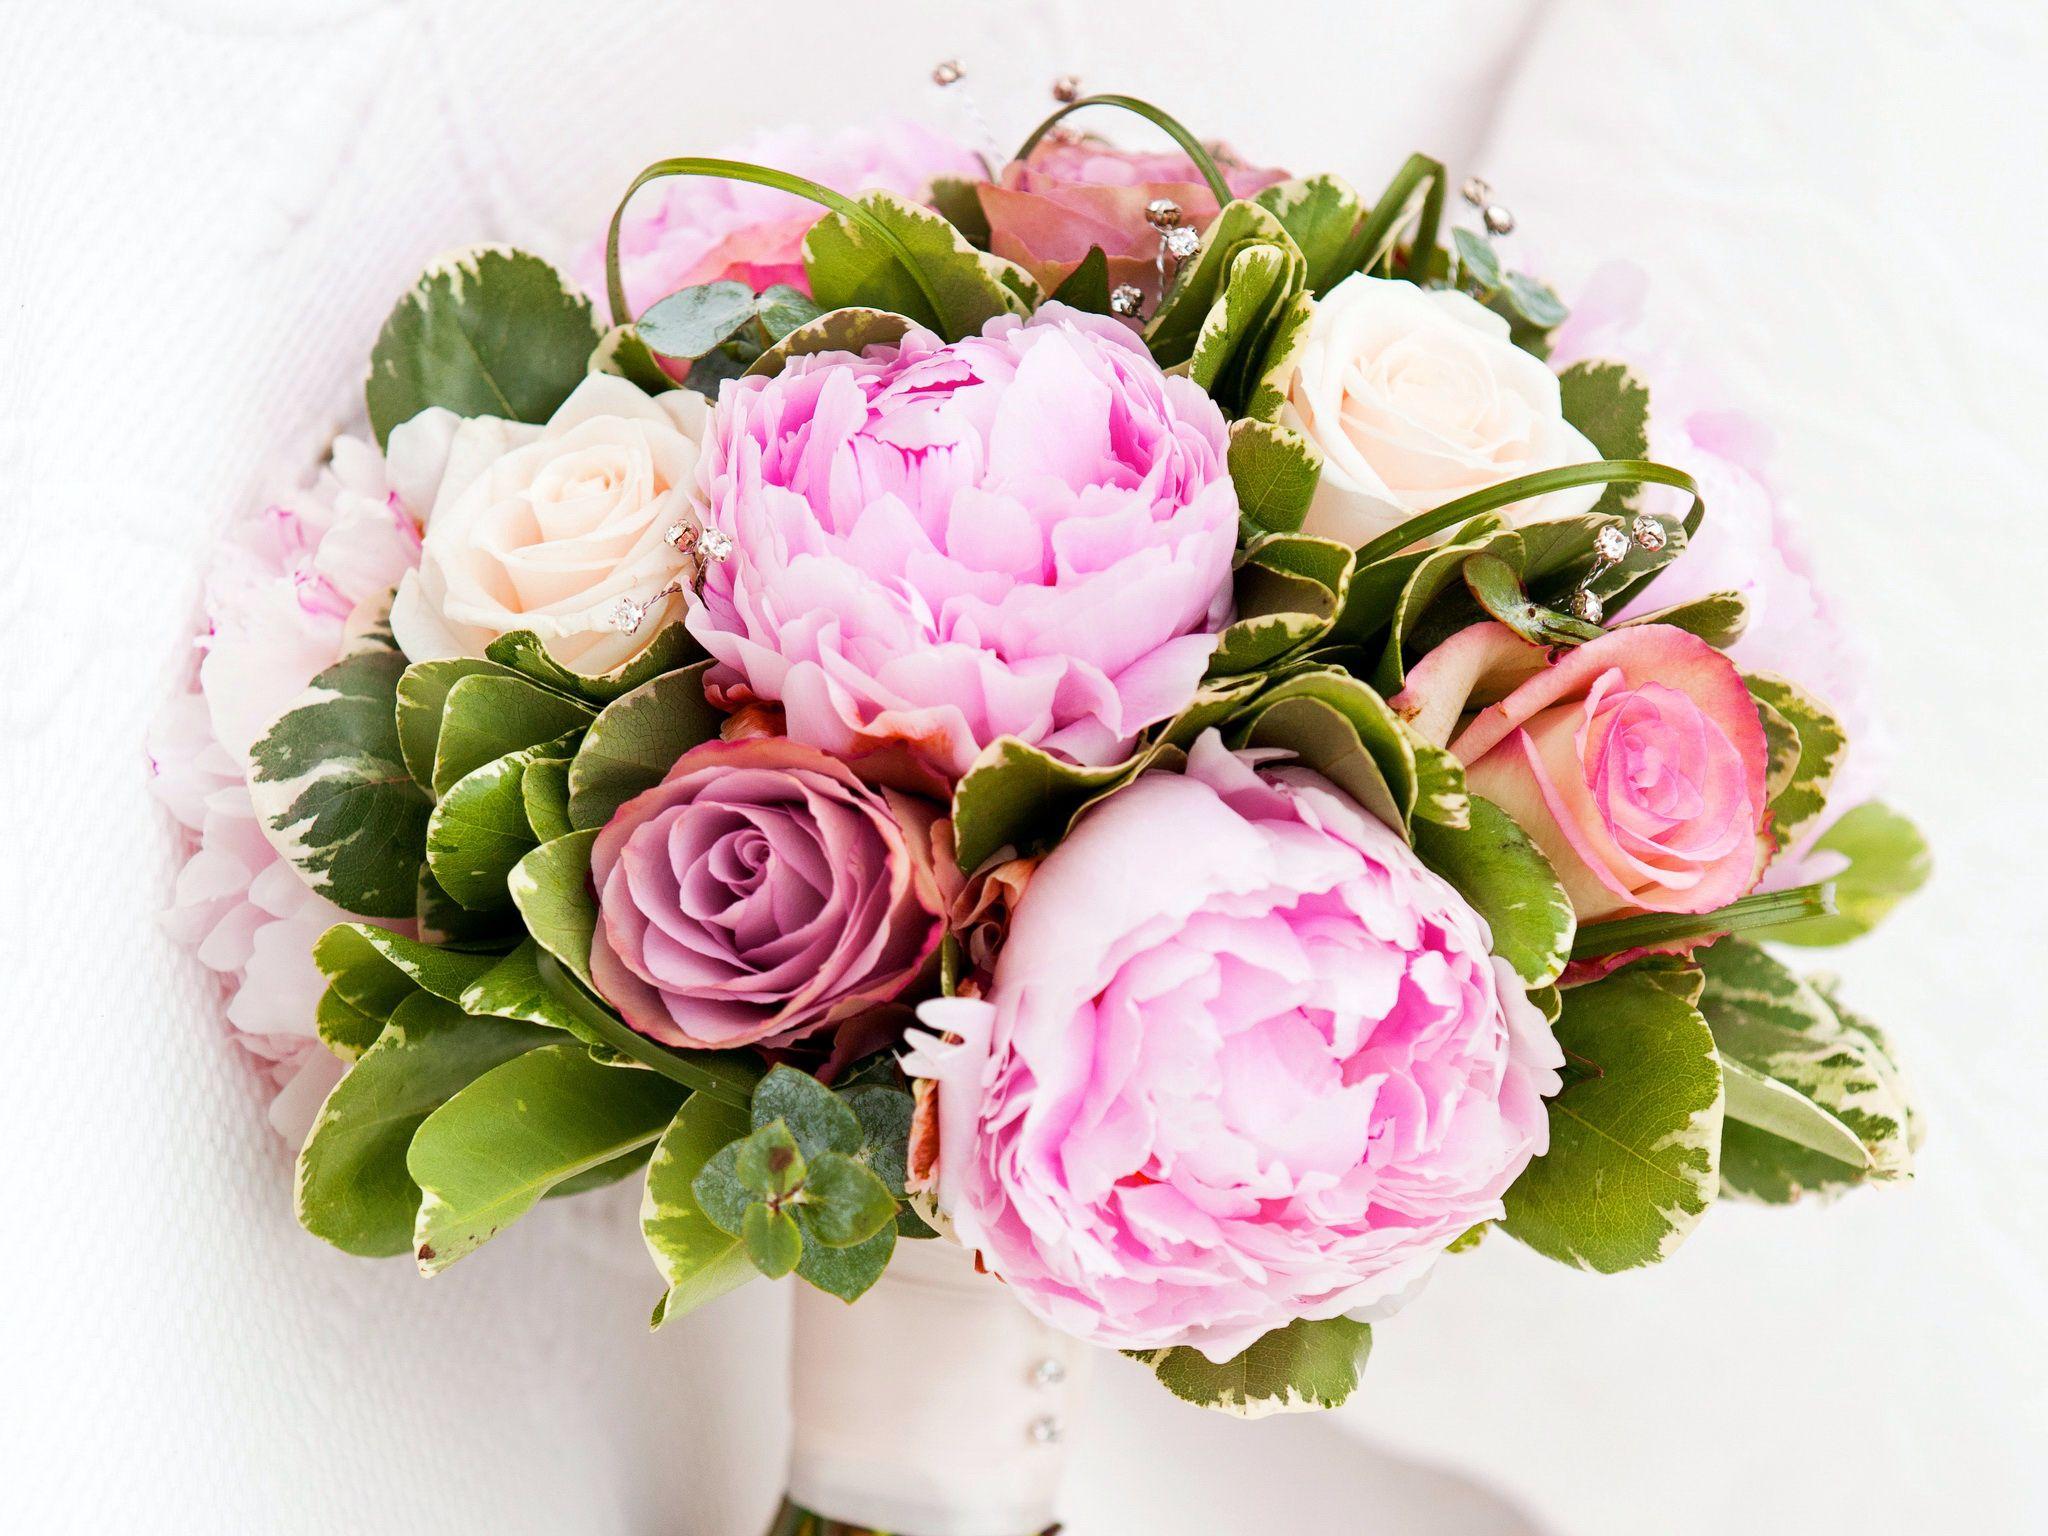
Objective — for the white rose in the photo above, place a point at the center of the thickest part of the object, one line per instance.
(547, 528)
(1417, 397)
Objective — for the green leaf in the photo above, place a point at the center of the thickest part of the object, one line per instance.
(344, 1028)
(1476, 259)
(846, 1272)
(544, 796)
(634, 742)
(845, 1202)
(1087, 286)
(442, 920)
(343, 952)
(698, 1261)
(1191, 304)
(422, 699)
(482, 1159)
(1309, 1364)
(1275, 470)
(853, 329)
(769, 1163)
(782, 308)
(1611, 405)
(772, 1240)
(623, 354)
(1497, 588)
(958, 200)
(728, 1076)
(353, 1188)
(330, 784)
(719, 1193)
(693, 321)
(1319, 213)
(850, 266)
(1015, 795)
(512, 987)
(1888, 861)
(818, 1119)
(551, 889)
(1719, 618)
(1510, 883)
(1782, 1111)
(1822, 745)
(359, 973)
(487, 715)
(1536, 302)
(479, 831)
(525, 653)
(1253, 308)
(1636, 1133)
(486, 331)
(1788, 1031)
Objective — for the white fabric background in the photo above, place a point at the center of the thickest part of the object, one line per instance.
(205, 208)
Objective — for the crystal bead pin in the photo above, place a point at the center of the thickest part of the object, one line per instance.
(1586, 607)
(714, 544)
(1497, 219)
(1610, 544)
(1047, 1431)
(1067, 89)
(1476, 192)
(1163, 213)
(1649, 533)
(626, 615)
(1180, 242)
(947, 72)
(1048, 1373)
(1126, 299)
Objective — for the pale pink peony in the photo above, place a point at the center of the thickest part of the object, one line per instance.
(1243, 1060)
(691, 230)
(1025, 533)
(289, 587)
(1748, 543)
(1636, 762)
(759, 894)
(1075, 193)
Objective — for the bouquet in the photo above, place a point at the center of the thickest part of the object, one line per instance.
(1181, 729)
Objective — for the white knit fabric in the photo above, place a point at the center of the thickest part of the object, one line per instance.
(206, 207)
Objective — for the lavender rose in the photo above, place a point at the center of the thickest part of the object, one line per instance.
(1025, 533)
(759, 894)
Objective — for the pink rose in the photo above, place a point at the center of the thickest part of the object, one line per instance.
(1243, 1060)
(694, 230)
(1025, 533)
(1636, 761)
(759, 894)
(1074, 193)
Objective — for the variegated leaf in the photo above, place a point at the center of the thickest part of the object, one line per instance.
(1307, 1365)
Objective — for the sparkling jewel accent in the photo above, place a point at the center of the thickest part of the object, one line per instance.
(714, 544)
(1162, 213)
(1048, 1373)
(1126, 299)
(1586, 606)
(1498, 220)
(677, 534)
(1476, 192)
(1610, 544)
(1067, 88)
(1180, 242)
(1047, 1430)
(1649, 533)
(947, 72)
(626, 615)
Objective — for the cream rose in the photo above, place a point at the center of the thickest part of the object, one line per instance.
(1417, 397)
(547, 528)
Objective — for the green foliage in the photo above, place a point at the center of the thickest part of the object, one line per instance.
(1795, 1036)
(1510, 883)
(1497, 588)
(1087, 286)
(1305, 1366)
(480, 829)
(634, 742)
(852, 329)
(1015, 795)
(1226, 300)
(423, 699)
(487, 331)
(769, 1164)
(486, 715)
(551, 888)
(849, 266)
(1320, 214)
(623, 354)
(1719, 618)
(353, 1187)
(698, 1260)
(1274, 470)
(499, 1144)
(1821, 746)
(544, 797)
(773, 1240)
(330, 783)
(1888, 861)
(1635, 1135)
(725, 321)
(958, 201)
(525, 653)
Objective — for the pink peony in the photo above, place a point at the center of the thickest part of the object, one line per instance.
(759, 894)
(289, 587)
(1747, 543)
(1074, 193)
(693, 230)
(1024, 533)
(1243, 1060)
(1636, 761)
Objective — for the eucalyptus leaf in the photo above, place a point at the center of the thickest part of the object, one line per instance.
(1476, 259)
(484, 1157)
(845, 1272)
(769, 1164)
(816, 1118)
(1635, 1135)
(844, 1202)
(330, 785)
(353, 1187)
(772, 1240)
(698, 1261)
(1307, 1365)
(689, 323)
(634, 742)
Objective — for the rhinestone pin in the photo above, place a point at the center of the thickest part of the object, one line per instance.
(714, 544)
(1497, 219)
(1180, 242)
(1163, 213)
(1476, 192)
(1586, 606)
(626, 615)
(1047, 1430)
(947, 72)
(1649, 533)
(1048, 1373)
(1610, 544)
(1067, 89)
(1126, 299)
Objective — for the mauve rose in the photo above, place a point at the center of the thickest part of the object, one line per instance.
(1243, 1060)
(759, 894)
(1636, 761)
(1073, 193)
(1024, 533)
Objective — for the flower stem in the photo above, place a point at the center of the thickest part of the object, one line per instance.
(1218, 187)
(1752, 914)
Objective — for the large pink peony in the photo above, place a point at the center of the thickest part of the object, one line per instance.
(1243, 1060)
(693, 230)
(1026, 533)
(289, 587)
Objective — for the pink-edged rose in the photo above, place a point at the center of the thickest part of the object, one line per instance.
(1635, 761)
(1026, 532)
(1073, 193)
(759, 894)
(692, 230)
(1243, 1060)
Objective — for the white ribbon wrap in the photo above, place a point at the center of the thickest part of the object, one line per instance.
(934, 1406)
